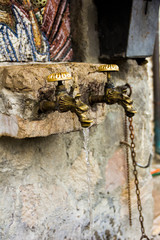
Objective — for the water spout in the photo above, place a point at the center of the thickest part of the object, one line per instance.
(89, 182)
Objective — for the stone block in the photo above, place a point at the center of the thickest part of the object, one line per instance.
(19, 98)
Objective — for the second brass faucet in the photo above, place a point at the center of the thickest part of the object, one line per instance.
(114, 94)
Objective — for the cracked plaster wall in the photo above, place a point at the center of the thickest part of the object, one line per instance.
(44, 185)
(43, 171)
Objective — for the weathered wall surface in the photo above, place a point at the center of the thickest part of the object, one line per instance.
(156, 188)
(44, 180)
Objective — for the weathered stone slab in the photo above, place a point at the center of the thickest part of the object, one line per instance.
(19, 98)
(20, 87)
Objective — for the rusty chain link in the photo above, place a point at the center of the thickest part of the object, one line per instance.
(139, 204)
(128, 172)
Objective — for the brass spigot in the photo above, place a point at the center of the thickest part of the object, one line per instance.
(114, 94)
(64, 102)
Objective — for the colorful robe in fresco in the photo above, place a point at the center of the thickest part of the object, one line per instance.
(56, 26)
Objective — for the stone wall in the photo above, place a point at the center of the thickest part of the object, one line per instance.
(156, 189)
(48, 190)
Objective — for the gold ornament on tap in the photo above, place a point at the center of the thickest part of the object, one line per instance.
(108, 68)
(62, 76)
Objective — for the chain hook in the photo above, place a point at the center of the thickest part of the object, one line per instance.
(139, 165)
(148, 164)
(130, 89)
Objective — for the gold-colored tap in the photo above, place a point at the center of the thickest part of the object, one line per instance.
(64, 102)
(114, 94)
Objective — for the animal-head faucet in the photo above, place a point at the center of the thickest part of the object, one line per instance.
(65, 101)
(112, 94)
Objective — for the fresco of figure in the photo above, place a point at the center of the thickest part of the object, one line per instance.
(20, 35)
(28, 31)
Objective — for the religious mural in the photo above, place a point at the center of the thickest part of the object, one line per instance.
(35, 30)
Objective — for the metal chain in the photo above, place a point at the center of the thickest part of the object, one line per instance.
(128, 172)
(133, 155)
